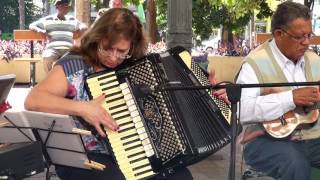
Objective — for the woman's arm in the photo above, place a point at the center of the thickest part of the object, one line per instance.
(49, 96)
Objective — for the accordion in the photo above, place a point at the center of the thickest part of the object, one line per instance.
(159, 130)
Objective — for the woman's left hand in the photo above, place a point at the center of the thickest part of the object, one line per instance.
(221, 94)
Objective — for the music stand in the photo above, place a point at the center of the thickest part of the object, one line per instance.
(19, 147)
(6, 83)
(62, 143)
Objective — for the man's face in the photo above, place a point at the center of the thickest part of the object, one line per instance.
(63, 8)
(294, 40)
(116, 3)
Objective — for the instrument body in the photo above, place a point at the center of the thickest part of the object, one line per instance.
(291, 120)
(286, 124)
(174, 127)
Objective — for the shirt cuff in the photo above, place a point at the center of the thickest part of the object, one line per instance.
(286, 99)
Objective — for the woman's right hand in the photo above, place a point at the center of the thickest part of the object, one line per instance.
(96, 115)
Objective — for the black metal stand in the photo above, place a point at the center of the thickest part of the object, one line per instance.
(234, 94)
(32, 66)
(31, 157)
(48, 161)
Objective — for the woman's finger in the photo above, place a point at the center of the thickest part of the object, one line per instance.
(99, 129)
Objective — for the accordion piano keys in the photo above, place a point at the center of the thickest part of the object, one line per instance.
(130, 145)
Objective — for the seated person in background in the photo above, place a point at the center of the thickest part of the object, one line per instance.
(116, 37)
(60, 29)
(284, 58)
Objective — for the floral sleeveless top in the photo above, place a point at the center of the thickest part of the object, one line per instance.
(76, 70)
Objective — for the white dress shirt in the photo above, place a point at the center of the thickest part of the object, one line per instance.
(256, 108)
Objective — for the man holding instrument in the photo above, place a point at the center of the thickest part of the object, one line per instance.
(60, 30)
(275, 141)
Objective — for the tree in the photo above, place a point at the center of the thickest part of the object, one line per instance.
(45, 9)
(309, 3)
(9, 14)
(236, 14)
(22, 15)
(233, 15)
(151, 21)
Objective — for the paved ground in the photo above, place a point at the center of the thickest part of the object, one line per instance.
(215, 167)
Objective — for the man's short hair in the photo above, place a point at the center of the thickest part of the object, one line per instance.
(58, 2)
(287, 12)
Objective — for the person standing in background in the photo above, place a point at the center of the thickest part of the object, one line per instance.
(60, 30)
(112, 4)
(115, 4)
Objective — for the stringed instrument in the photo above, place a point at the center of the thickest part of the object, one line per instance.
(286, 124)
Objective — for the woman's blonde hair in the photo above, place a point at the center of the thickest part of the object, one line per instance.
(113, 25)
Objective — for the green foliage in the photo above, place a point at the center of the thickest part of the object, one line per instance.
(9, 14)
(7, 36)
(205, 18)
(162, 13)
(231, 14)
(210, 14)
(98, 5)
(265, 11)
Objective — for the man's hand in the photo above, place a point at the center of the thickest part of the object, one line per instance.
(306, 96)
(42, 31)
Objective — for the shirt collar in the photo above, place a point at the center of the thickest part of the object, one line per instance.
(56, 17)
(281, 59)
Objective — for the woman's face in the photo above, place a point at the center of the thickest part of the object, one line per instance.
(115, 54)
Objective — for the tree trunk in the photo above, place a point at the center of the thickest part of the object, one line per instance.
(22, 14)
(227, 36)
(105, 3)
(151, 21)
(82, 11)
(309, 3)
(227, 39)
(46, 7)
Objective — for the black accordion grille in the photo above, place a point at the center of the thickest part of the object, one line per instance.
(155, 109)
(203, 79)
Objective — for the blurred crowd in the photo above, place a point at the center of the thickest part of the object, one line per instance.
(239, 48)
(10, 49)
